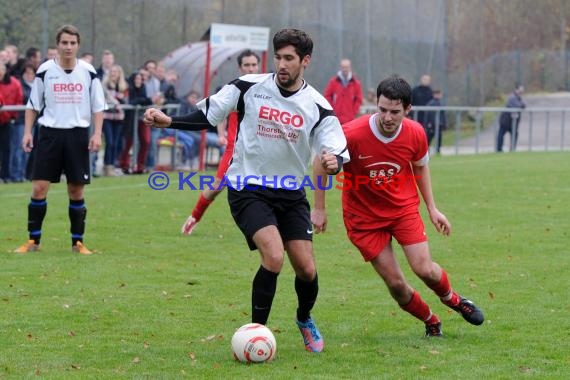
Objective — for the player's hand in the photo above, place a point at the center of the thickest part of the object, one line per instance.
(157, 118)
(329, 162)
(28, 142)
(95, 143)
(440, 222)
(319, 220)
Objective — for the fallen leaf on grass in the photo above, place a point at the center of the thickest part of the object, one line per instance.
(212, 337)
(136, 360)
(525, 369)
(75, 366)
(192, 356)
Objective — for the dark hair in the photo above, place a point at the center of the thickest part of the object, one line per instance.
(31, 52)
(395, 88)
(28, 66)
(300, 40)
(68, 29)
(145, 64)
(247, 53)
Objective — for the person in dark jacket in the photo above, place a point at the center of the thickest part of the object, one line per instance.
(434, 121)
(421, 95)
(137, 96)
(509, 121)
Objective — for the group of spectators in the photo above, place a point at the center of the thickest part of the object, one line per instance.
(151, 84)
(16, 76)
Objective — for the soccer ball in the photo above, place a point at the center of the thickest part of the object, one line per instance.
(254, 343)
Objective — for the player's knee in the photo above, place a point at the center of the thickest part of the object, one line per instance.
(427, 273)
(399, 289)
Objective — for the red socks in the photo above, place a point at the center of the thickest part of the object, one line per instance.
(419, 309)
(201, 207)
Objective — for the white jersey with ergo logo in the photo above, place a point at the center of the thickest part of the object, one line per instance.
(276, 132)
(67, 100)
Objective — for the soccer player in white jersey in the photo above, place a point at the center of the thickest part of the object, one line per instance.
(380, 201)
(68, 94)
(281, 118)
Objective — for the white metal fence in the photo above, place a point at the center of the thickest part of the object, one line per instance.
(470, 130)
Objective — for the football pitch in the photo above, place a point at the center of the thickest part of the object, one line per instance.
(154, 304)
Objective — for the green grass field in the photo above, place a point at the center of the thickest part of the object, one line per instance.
(154, 304)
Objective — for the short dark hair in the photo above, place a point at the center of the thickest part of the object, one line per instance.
(300, 40)
(395, 87)
(31, 52)
(247, 53)
(68, 29)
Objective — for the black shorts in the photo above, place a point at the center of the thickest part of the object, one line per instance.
(60, 151)
(288, 210)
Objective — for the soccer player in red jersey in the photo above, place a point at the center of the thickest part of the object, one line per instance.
(380, 201)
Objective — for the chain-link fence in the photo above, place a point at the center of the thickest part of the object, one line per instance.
(381, 37)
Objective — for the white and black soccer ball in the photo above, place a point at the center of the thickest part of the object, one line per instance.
(254, 343)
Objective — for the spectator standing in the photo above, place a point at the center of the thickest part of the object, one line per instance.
(116, 92)
(51, 53)
(15, 64)
(248, 63)
(18, 157)
(344, 92)
(33, 57)
(87, 57)
(66, 94)
(435, 122)
(107, 61)
(391, 151)
(274, 217)
(509, 121)
(190, 143)
(421, 95)
(27, 82)
(12, 95)
(137, 97)
(153, 90)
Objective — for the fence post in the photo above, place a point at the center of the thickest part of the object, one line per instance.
(457, 131)
(530, 121)
(562, 125)
(135, 147)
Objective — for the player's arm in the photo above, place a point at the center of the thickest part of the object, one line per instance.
(423, 181)
(324, 165)
(30, 116)
(221, 128)
(95, 140)
(194, 121)
(319, 213)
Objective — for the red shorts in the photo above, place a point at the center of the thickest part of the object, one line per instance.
(408, 229)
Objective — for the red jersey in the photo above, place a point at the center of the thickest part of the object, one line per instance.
(378, 183)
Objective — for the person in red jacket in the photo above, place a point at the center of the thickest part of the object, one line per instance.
(11, 94)
(344, 93)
